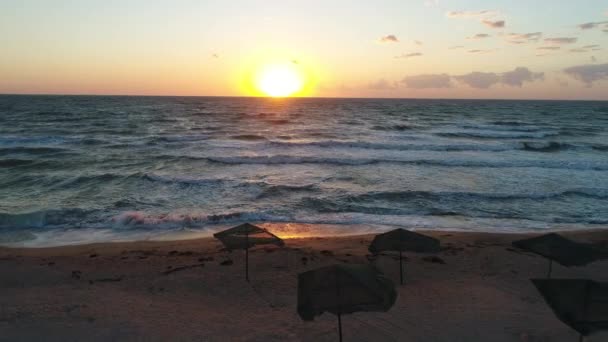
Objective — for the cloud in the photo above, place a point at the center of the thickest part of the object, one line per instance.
(484, 16)
(514, 78)
(456, 47)
(481, 80)
(419, 43)
(561, 40)
(588, 73)
(494, 24)
(428, 81)
(517, 77)
(409, 55)
(430, 3)
(471, 14)
(521, 38)
(480, 36)
(548, 48)
(591, 46)
(215, 55)
(391, 38)
(591, 25)
(578, 50)
(479, 51)
(382, 84)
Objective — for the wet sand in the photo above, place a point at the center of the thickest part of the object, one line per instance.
(477, 289)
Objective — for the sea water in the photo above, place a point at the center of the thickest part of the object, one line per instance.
(95, 168)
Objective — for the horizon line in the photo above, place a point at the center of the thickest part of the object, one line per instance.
(308, 97)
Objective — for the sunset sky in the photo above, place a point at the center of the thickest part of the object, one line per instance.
(401, 48)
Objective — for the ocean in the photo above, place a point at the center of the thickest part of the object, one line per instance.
(77, 169)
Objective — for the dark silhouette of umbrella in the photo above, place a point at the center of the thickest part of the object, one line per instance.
(582, 304)
(343, 289)
(561, 250)
(246, 236)
(402, 240)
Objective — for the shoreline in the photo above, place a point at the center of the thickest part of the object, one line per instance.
(588, 235)
(285, 230)
(477, 288)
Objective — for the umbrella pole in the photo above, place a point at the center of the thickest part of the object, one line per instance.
(247, 256)
(581, 338)
(338, 300)
(247, 264)
(340, 326)
(400, 268)
(550, 268)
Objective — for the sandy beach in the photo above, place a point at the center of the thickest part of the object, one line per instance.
(477, 289)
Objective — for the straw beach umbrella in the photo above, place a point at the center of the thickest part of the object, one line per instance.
(561, 250)
(402, 240)
(582, 304)
(246, 236)
(343, 289)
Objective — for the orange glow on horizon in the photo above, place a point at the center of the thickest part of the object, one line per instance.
(280, 80)
(277, 77)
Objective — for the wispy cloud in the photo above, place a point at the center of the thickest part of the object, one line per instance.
(494, 24)
(455, 47)
(591, 25)
(479, 51)
(548, 48)
(428, 81)
(409, 55)
(587, 48)
(517, 77)
(391, 38)
(471, 14)
(521, 38)
(480, 80)
(588, 73)
(479, 36)
(382, 84)
(419, 43)
(561, 40)
(486, 17)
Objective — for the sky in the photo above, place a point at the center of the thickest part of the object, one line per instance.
(517, 49)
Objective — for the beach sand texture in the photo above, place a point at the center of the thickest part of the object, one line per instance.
(477, 289)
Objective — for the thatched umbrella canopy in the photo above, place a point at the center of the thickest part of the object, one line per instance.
(246, 236)
(343, 289)
(561, 250)
(582, 304)
(402, 240)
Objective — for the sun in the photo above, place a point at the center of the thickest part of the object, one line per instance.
(280, 80)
